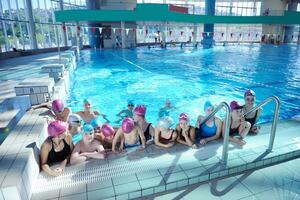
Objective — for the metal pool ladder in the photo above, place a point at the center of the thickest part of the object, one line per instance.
(227, 117)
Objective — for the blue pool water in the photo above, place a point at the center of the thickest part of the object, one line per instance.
(188, 77)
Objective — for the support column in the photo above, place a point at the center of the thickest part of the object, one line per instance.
(163, 33)
(123, 35)
(94, 34)
(61, 6)
(289, 30)
(195, 34)
(208, 39)
(32, 31)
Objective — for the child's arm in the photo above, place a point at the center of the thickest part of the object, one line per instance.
(76, 156)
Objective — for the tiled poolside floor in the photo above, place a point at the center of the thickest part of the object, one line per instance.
(156, 167)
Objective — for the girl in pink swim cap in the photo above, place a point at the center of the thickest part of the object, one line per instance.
(129, 135)
(249, 98)
(146, 127)
(239, 128)
(185, 132)
(56, 148)
(106, 135)
(57, 110)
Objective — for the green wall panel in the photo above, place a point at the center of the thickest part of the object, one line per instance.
(160, 12)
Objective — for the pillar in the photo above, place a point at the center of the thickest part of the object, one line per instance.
(195, 34)
(123, 35)
(61, 6)
(208, 39)
(32, 31)
(289, 29)
(94, 35)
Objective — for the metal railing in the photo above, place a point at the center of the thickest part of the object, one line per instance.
(227, 118)
(226, 134)
(275, 118)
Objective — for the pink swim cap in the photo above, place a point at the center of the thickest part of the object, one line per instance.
(107, 130)
(58, 105)
(140, 110)
(127, 125)
(56, 128)
(184, 116)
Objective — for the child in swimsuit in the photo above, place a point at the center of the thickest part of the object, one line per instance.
(129, 135)
(250, 98)
(164, 135)
(106, 135)
(211, 129)
(185, 132)
(91, 116)
(126, 112)
(165, 111)
(75, 127)
(238, 126)
(87, 148)
(146, 127)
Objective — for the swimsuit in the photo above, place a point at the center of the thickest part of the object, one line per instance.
(252, 120)
(205, 131)
(137, 143)
(180, 134)
(234, 131)
(59, 156)
(166, 140)
(147, 134)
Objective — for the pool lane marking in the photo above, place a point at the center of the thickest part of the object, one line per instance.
(128, 61)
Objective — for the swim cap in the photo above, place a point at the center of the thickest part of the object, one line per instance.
(234, 105)
(127, 125)
(107, 130)
(130, 102)
(140, 110)
(249, 93)
(207, 104)
(184, 116)
(87, 101)
(58, 105)
(74, 119)
(87, 128)
(168, 101)
(57, 128)
(165, 122)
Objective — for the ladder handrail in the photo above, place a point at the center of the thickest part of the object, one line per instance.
(275, 118)
(226, 121)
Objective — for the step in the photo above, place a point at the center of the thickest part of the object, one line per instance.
(140, 174)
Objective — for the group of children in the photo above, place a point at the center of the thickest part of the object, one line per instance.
(77, 137)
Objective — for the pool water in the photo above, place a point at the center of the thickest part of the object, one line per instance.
(188, 77)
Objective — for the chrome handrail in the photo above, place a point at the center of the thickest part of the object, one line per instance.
(275, 118)
(226, 134)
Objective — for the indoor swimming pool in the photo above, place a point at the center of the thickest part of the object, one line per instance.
(187, 77)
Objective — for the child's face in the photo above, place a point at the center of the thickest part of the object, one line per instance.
(237, 114)
(183, 124)
(87, 106)
(137, 118)
(250, 100)
(209, 110)
(89, 137)
(130, 106)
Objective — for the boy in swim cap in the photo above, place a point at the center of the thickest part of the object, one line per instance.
(87, 148)
(165, 111)
(129, 135)
(185, 132)
(91, 116)
(75, 127)
(57, 110)
(126, 112)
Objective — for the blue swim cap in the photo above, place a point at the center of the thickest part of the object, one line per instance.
(207, 104)
(87, 128)
(130, 102)
(87, 101)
